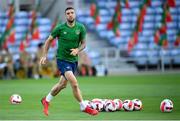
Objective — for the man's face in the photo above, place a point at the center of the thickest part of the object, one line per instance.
(70, 15)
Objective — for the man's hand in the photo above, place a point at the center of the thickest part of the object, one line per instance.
(75, 51)
(43, 60)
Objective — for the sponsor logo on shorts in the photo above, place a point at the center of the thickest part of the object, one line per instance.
(68, 67)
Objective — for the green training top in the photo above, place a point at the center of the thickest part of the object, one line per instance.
(68, 38)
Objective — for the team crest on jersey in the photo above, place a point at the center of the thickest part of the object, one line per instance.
(78, 32)
(65, 32)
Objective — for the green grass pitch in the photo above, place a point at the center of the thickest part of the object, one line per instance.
(151, 89)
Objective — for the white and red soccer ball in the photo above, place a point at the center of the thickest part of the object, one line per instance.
(97, 104)
(87, 103)
(110, 106)
(128, 105)
(15, 99)
(137, 104)
(166, 105)
(118, 103)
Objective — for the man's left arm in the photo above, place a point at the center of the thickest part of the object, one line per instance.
(75, 51)
(82, 45)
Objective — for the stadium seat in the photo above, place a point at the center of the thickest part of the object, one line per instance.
(21, 15)
(43, 21)
(177, 3)
(153, 61)
(19, 36)
(103, 12)
(172, 25)
(101, 27)
(43, 35)
(4, 15)
(125, 33)
(14, 50)
(44, 28)
(148, 25)
(102, 33)
(110, 3)
(174, 52)
(134, 3)
(4, 22)
(138, 54)
(126, 12)
(125, 26)
(176, 60)
(173, 11)
(81, 19)
(20, 28)
(149, 18)
(105, 19)
(141, 62)
(101, 4)
(140, 46)
(171, 39)
(150, 11)
(31, 49)
(126, 18)
(172, 31)
(156, 3)
(89, 20)
(116, 41)
(110, 34)
(135, 11)
(21, 21)
(148, 32)
(34, 43)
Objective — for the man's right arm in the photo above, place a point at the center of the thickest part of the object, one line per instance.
(45, 49)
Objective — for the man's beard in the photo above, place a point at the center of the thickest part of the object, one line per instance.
(70, 21)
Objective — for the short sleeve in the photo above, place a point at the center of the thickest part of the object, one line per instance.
(55, 31)
(83, 33)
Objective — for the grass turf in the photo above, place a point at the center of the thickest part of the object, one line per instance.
(151, 89)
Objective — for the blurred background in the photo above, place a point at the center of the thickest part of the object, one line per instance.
(123, 36)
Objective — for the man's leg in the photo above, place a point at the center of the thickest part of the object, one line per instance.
(77, 93)
(59, 86)
(54, 91)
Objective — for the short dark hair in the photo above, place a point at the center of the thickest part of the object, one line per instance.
(68, 8)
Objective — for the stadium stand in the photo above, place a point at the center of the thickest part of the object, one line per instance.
(145, 53)
(22, 22)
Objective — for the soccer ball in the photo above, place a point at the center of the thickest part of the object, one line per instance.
(110, 106)
(104, 101)
(87, 103)
(97, 104)
(96, 99)
(128, 105)
(137, 104)
(15, 99)
(118, 103)
(166, 105)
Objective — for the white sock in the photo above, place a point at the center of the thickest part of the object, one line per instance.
(49, 97)
(82, 106)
